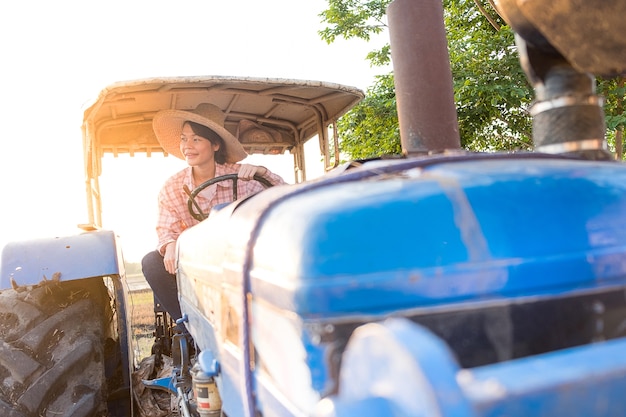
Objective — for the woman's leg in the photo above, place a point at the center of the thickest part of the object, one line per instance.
(163, 283)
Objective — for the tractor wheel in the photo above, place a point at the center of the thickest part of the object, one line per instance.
(52, 339)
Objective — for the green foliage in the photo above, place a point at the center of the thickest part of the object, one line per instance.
(490, 88)
(614, 91)
(353, 19)
(371, 128)
(491, 91)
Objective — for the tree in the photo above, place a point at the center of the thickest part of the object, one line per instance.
(371, 128)
(490, 88)
(491, 91)
(357, 19)
(614, 91)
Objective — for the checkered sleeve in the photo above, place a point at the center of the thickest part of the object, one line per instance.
(253, 187)
(171, 219)
(173, 211)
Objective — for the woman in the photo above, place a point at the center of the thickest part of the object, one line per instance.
(198, 137)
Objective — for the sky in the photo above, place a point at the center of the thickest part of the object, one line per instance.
(56, 56)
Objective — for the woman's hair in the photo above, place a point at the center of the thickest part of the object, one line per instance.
(211, 136)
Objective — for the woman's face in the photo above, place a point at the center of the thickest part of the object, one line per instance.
(197, 150)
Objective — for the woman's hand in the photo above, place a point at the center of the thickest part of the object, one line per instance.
(169, 258)
(247, 171)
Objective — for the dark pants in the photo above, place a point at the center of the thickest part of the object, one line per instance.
(163, 283)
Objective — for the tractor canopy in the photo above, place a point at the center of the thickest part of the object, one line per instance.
(119, 121)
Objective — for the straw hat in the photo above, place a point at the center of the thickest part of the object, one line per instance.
(168, 126)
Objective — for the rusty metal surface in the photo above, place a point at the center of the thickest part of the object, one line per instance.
(423, 79)
(588, 33)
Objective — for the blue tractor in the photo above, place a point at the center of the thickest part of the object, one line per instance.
(65, 301)
(438, 283)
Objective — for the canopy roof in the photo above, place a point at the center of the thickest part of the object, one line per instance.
(120, 120)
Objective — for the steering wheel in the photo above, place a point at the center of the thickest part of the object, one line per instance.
(194, 208)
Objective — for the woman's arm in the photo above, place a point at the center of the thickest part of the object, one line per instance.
(247, 172)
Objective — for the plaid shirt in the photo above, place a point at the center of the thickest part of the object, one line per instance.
(174, 216)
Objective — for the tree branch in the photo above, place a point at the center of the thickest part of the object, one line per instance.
(483, 11)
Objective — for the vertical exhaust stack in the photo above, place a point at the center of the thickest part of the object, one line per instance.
(423, 79)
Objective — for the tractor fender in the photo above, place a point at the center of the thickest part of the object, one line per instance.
(85, 255)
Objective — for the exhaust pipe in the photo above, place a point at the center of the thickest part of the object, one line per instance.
(568, 116)
(423, 79)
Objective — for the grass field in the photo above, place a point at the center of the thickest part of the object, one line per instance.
(142, 316)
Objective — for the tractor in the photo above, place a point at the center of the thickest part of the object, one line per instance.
(439, 282)
(50, 364)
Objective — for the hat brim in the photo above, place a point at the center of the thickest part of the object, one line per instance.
(168, 126)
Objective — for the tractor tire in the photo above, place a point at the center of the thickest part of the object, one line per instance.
(52, 339)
